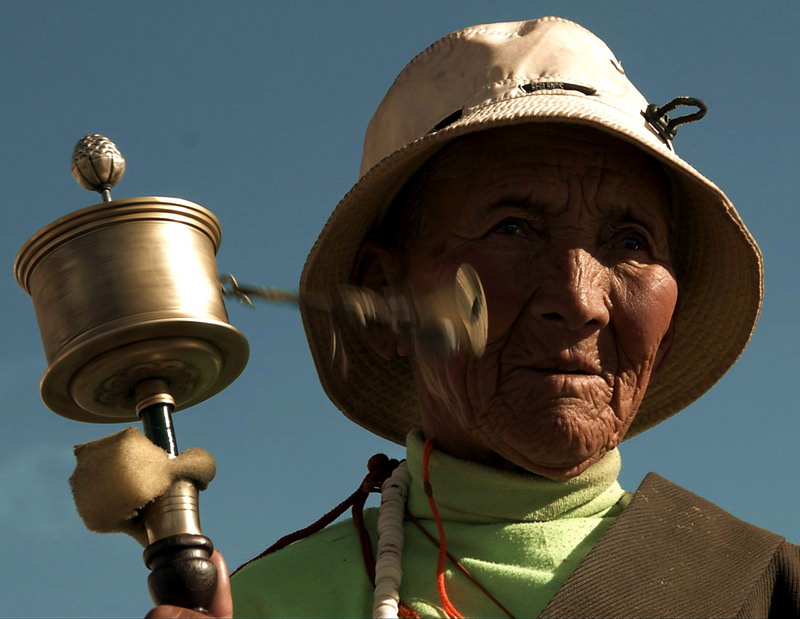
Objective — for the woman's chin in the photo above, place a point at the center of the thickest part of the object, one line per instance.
(558, 442)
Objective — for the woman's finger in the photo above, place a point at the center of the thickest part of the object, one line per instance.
(222, 605)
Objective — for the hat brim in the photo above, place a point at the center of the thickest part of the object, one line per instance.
(720, 283)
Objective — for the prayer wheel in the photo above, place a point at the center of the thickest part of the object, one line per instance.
(132, 318)
(126, 291)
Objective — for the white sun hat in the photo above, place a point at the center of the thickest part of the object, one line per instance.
(548, 70)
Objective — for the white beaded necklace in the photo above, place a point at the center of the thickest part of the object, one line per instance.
(388, 568)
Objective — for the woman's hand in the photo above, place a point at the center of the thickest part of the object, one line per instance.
(221, 605)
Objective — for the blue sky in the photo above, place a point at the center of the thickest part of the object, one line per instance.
(256, 110)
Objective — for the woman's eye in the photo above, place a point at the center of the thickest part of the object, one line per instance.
(509, 227)
(630, 242)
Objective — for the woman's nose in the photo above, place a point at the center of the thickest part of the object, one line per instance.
(573, 293)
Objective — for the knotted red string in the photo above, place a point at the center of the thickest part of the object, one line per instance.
(447, 605)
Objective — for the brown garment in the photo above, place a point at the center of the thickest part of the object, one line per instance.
(674, 554)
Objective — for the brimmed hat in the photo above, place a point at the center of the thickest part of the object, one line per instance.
(548, 70)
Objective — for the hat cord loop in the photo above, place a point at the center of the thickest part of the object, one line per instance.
(667, 127)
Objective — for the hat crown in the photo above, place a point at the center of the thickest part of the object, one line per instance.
(490, 63)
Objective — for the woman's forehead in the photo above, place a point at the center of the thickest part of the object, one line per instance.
(573, 147)
(510, 163)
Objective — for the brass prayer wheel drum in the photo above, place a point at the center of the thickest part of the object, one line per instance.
(126, 291)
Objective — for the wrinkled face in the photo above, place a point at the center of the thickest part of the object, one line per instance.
(568, 232)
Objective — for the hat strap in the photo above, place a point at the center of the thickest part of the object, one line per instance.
(667, 127)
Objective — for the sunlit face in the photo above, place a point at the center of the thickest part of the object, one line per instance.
(568, 232)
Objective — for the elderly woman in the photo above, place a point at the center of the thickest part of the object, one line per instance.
(620, 285)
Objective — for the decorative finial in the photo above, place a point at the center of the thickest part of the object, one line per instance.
(97, 164)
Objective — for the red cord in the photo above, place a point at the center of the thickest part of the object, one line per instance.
(449, 609)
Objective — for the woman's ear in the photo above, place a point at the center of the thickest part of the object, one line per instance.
(375, 267)
(379, 269)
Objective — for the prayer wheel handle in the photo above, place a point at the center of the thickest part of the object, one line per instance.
(182, 573)
(178, 556)
(134, 327)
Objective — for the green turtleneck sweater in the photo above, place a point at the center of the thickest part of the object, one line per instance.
(520, 535)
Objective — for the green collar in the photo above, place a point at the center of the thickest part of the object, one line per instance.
(470, 492)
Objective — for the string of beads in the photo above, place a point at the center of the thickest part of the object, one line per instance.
(388, 570)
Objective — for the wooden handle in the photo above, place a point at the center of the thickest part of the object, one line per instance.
(182, 572)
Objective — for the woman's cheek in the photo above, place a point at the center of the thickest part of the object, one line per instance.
(658, 295)
(508, 285)
(644, 299)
